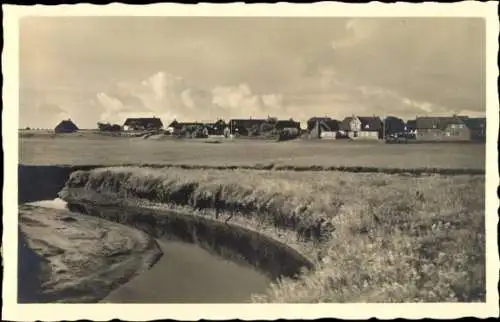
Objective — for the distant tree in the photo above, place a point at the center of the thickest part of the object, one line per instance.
(106, 127)
(101, 126)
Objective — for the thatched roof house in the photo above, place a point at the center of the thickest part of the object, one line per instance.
(244, 126)
(66, 126)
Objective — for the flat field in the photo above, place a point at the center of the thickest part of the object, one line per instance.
(94, 149)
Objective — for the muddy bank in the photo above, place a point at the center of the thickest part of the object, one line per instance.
(66, 257)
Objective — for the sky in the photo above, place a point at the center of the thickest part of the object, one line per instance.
(105, 69)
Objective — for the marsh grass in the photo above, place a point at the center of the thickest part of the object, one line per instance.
(376, 237)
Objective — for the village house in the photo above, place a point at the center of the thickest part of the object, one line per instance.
(323, 128)
(244, 126)
(442, 129)
(285, 129)
(289, 126)
(217, 128)
(66, 126)
(183, 128)
(393, 126)
(411, 127)
(139, 124)
(362, 127)
(205, 130)
(477, 128)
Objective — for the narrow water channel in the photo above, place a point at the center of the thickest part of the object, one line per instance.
(189, 274)
(186, 273)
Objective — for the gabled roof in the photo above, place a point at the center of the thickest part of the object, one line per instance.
(439, 122)
(393, 119)
(173, 123)
(333, 125)
(217, 123)
(329, 123)
(315, 118)
(281, 124)
(371, 123)
(66, 125)
(246, 123)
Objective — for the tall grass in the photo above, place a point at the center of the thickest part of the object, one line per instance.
(377, 237)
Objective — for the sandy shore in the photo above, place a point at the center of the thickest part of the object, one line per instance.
(66, 257)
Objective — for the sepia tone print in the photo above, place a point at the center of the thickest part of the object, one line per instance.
(251, 160)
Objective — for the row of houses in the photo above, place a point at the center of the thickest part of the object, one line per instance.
(448, 128)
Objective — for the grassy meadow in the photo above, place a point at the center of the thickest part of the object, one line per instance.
(373, 237)
(98, 149)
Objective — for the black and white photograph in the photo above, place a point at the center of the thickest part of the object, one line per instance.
(228, 154)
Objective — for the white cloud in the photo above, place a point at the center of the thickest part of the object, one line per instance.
(239, 101)
(110, 104)
(340, 98)
(171, 96)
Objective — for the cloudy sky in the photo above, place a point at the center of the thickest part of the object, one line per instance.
(106, 69)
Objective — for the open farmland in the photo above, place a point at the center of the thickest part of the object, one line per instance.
(111, 151)
(373, 237)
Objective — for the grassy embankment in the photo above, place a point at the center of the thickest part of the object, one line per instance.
(375, 237)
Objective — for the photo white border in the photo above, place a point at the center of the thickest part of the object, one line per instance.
(140, 312)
